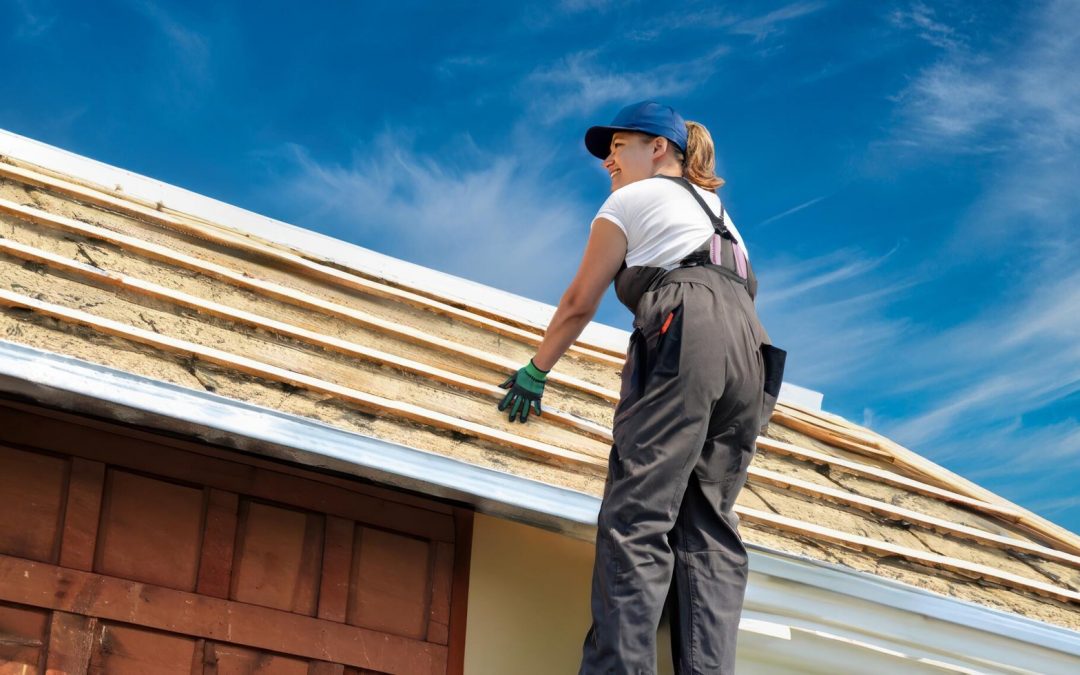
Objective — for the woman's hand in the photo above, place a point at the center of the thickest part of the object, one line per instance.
(526, 389)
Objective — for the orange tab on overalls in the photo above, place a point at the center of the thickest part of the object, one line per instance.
(667, 322)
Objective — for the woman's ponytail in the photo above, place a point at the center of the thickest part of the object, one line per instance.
(699, 161)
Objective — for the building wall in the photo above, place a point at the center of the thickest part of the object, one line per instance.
(529, 601)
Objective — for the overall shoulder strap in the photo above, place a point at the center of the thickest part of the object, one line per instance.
(717, 221)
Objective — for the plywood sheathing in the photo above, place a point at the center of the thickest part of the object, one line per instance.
(344, 415)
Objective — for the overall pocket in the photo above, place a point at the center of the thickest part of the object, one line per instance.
(669, 344)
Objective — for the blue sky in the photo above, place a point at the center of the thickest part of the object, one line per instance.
(906, 174)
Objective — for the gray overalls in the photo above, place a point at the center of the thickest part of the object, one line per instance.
(694, 396)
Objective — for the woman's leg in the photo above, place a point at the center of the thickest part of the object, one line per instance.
(658, 439)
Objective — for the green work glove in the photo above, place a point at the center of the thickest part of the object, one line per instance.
(526, 388)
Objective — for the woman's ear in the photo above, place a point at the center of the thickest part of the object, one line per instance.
(659, 147)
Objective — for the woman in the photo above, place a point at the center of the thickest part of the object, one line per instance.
(700, 380)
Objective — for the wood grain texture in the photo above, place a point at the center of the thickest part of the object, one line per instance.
(82, 514)
(219, 538)
(189, 614)
(246, 243)
(71, 638)
(337, 565)
(285, 294)
(206, 307)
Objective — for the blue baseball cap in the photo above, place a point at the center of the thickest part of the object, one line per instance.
(647, 117)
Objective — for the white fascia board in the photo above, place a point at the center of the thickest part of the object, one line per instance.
(322, 246)
(783, 586)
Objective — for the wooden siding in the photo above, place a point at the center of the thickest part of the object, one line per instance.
(126, 553)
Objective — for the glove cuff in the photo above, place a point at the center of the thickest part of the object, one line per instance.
(535, 373)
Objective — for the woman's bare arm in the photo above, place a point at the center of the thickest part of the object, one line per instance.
(603, 256)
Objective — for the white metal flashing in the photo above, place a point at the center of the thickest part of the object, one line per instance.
(321, 245)
(785, 589)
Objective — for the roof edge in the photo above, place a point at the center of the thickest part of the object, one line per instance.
(82, 387)
(315, 243)
(322, 246)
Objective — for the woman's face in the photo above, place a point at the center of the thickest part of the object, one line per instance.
(631, 159)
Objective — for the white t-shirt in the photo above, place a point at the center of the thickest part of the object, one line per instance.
(662, 221)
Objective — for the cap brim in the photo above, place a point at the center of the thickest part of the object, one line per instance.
(598, 140)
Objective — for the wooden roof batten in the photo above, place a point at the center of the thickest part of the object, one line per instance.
(43, 257)
(282, 293)
(865, 442)
(208, 307)
(218, 234)
(938, 484)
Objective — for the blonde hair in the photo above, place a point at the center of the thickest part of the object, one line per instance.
(699, 160)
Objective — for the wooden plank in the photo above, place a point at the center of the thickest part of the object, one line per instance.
(23, 632)
(291, 296)
(278, 557)
(243, 241)
(389, 583)
(858, 542)
(337, 562)
(82, 514)
(831, 431)
(33, 486)
(892, 512)
(42, 585)
(442, 574)
(324, 668)
(226, 470)
(71, 638)
(150, 530)
(1008, 513)
(133, 650)
(207, 307)
(377, 405)
(455, 662)
(198, 659)
(219, 537)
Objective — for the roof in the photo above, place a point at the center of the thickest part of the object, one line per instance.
(92, 272)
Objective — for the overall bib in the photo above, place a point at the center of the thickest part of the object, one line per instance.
(695, 394)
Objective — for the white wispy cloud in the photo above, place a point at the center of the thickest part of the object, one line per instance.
(978, 390)
(36, 19)
(580, 83)
(761, 27)
(488, 217)
(186, 72)
(925, 21)
(794, 209)
(724, 19)
(831, 313)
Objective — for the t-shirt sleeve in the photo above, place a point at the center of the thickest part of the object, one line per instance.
(614, 209)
